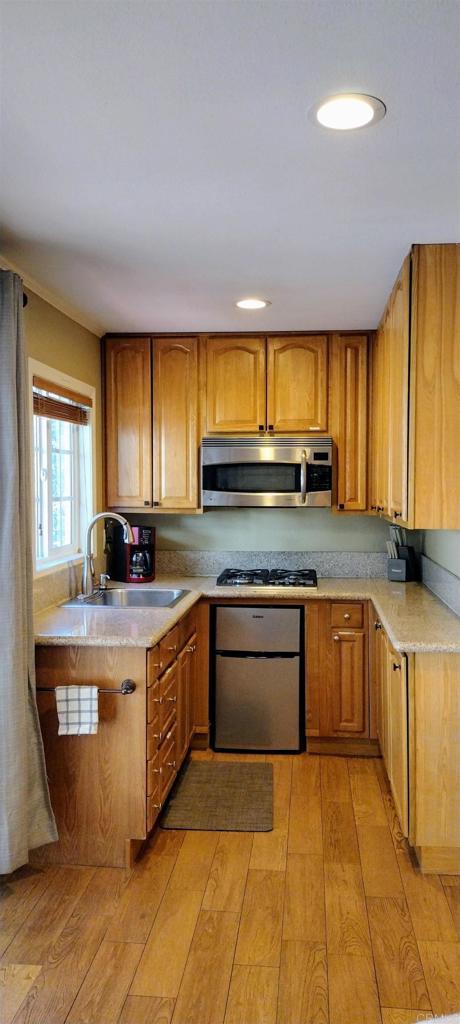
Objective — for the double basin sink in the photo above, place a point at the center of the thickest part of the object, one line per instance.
(118, 597)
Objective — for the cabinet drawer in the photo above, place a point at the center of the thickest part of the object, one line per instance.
(153, 806)
(186, 627)
(153, 735)
(167, 762)
(169, 647)
(154, 666)
(168, 695)
(153, 773)
(153, 702)
(347, 615)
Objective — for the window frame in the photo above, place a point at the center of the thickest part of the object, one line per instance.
(39, 369)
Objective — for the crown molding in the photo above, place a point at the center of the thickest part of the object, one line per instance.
(53, 298)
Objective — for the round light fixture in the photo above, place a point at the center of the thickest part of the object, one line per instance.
(252, 303)
(348, 111)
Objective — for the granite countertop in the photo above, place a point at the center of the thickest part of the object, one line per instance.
(413, 618)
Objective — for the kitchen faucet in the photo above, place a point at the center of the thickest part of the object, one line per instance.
(88, 571)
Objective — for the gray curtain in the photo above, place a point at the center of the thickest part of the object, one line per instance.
(26, 818)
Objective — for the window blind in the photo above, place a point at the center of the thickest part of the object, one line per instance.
(60, 403)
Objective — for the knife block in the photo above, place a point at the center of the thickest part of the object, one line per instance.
(403, 569)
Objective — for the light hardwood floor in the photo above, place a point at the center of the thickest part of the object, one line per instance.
(324, 920)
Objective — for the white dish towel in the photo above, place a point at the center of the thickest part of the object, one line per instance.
(77, 708)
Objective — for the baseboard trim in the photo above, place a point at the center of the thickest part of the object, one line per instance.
(438, 860)
(345, 747)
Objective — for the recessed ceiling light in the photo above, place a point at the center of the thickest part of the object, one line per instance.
(252, 303)
(349, 110)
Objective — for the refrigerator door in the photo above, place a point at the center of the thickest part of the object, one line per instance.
(257, 703)
(250, 628)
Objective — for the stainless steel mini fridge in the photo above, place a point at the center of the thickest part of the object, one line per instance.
(257, 674)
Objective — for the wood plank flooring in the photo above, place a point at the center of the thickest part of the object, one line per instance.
(325, 920)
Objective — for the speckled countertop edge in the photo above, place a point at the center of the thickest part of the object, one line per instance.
(415, 620)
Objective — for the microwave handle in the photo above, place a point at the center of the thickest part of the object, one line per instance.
(303, 477)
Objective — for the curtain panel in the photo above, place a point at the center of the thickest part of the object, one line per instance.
(26, 817)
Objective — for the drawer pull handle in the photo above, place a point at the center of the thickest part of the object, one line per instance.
(191, 649)
(173, 648)
(347, 616)
(156, 771)
(396, 667)
(158, 807)
(158, 700)
(336, 638)
(377, 624)
(169, 734)
(172, 700)
(171, 764)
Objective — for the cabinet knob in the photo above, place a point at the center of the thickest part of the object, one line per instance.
(396, 667)
(270, 426)
(155, 504)
(373, 508)
(377, 624)
(336, 638)
(397, 515)
(261, 426)
(347, 616)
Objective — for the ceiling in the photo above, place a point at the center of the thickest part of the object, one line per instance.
(158, 161)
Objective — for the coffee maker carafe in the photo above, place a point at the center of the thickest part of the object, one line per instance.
(130, 563)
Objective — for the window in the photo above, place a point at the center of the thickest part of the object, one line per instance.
(62, 450)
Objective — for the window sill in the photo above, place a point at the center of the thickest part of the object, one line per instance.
(58, 563)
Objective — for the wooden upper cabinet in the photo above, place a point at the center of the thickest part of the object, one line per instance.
(415, 402)
(175, 423)
(297, 383)
(435, 386)
(236, 385)
(379, 461)
(348, 418)
(398, 403)
(128, 398)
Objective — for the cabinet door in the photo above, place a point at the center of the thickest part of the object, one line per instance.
(183, 687)
(435, 386)
(297, 384)
(398, 384)
(349, 683)
(380, 418)
(175, 440)
(348, 394)
(397, 752)
(128, 399)
(192, 653)
(236, 384)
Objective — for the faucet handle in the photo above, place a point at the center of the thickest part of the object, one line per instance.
(103, 580)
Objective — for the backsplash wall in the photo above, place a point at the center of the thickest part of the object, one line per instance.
(267, 530)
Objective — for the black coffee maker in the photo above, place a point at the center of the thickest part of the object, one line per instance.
(130, 563)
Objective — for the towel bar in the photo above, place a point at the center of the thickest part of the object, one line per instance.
(127, 686)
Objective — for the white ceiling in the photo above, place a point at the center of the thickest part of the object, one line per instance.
(158, 161)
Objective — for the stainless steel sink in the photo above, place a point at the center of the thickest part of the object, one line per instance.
(120, 598)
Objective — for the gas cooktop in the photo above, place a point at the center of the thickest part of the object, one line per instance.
(267, 578)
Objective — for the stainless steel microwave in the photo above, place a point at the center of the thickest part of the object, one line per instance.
(268, 472)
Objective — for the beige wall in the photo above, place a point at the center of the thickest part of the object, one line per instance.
(443, 546)
(268, 530)
(58, 341)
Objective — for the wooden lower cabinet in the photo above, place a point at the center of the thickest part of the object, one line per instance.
(393, 724)
(337, 696)
(348, 683)
(107, 789)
